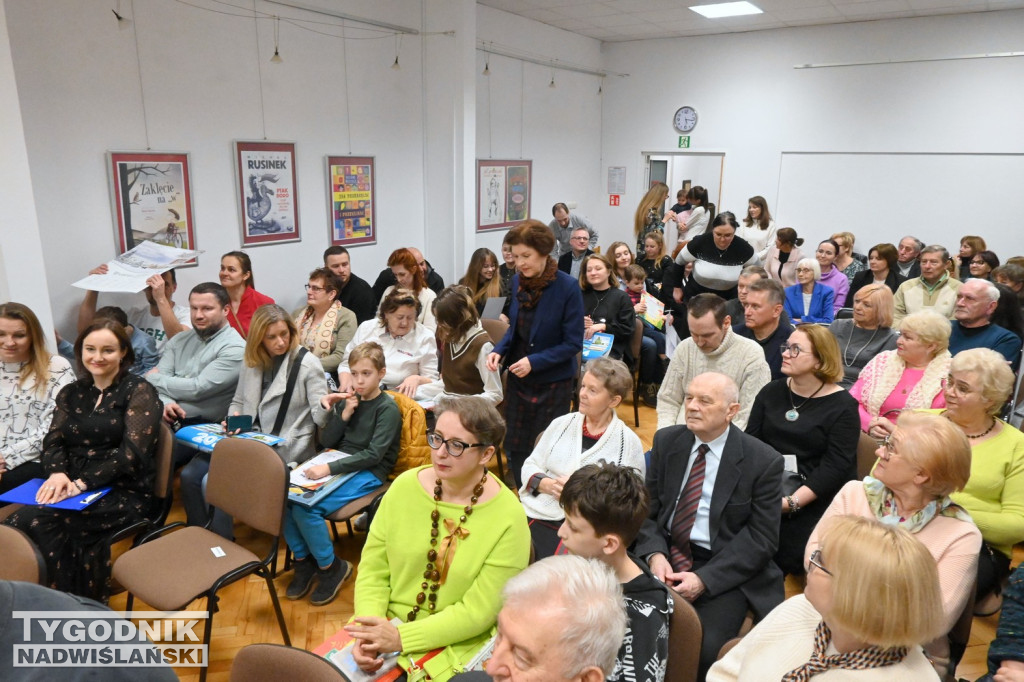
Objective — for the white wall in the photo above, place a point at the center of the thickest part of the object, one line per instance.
(559, 128)
(753, 105)
(78, 80)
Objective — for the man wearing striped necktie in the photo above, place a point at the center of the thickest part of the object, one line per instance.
(714, 521)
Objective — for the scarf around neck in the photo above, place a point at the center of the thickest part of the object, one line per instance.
(884, 371)
(883, 505)
(861, 659)
(530, 288)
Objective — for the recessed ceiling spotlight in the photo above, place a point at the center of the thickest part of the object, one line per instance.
(726, 9)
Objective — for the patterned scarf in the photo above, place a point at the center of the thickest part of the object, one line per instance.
(319, 339)
(861, 659)
(883, 505)
(530, 288)
(884, 372)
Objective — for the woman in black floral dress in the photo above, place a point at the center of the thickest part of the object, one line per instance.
(104, 433)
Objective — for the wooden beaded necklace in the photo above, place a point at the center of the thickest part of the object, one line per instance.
(437, 571)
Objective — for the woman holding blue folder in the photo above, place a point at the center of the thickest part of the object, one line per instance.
(104, 433)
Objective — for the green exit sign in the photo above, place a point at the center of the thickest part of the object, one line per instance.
(684, 141)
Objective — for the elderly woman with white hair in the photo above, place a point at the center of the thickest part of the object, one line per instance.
(809, 300)
(909, 377)
(872, 599)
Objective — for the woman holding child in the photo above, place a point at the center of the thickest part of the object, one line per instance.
(445, 540)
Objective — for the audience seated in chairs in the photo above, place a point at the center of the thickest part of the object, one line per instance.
(782, 258)
(653, 360)
(935, 288)
(718, 257)
(409, 348)
(605, 505)
(809, 300)
(103, 433)
(872, 599)
(324, 325)
(607, 308)
(712, 347)
(719, 559)
(30, 379)
(882, 259)
(979, 384)
(846, 262)
(831, 276)
(594, 434)
(409, 276)
(976, 305)
(482, 279)
(909, 377)
(237, 279)
(355, 294)
(365, 424)
(811, 418)
(920, 464)
(273, 360)
(868, 333)
(459, 521)
(765, 321)
(464, 350)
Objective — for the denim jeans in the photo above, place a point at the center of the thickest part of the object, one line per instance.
(304, 527)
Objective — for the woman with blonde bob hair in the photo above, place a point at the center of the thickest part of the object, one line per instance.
(909, 377)
(837, 623)
(272, 351)
(869, 332)
(923, 462)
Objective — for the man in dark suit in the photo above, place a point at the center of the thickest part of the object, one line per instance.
(569, 262)
(714, 521)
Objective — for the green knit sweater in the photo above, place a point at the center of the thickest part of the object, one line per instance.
(395, 555)
(370, 437)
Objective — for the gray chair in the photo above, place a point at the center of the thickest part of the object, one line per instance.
(685, 636)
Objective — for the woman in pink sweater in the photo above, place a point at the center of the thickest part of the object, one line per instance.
(924, 460)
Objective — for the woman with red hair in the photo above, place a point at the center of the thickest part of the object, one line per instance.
(409, 276)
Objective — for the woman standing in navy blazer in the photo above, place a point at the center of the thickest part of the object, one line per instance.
(545, 333)
(818, 308)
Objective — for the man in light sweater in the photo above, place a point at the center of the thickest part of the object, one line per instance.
(199, 369)
(933, 289)
(712, 347)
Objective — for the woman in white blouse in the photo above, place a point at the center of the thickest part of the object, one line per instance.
(410, 351)
(592, 435)
(758, 228)
(30, 379)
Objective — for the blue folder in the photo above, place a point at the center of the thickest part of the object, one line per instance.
(26, 494)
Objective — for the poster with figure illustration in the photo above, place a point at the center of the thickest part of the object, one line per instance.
(151, 199)
(503, 193)
(351, 200)
(267, 191)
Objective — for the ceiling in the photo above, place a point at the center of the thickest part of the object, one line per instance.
(621, 20)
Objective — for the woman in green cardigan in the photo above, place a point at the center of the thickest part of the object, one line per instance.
(445, 540)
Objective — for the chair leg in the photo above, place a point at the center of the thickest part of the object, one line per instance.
(348, 526)
(334, 529)
(211, 607)
(273, 566)
(130, 602)
(277, 610)
(501, 467)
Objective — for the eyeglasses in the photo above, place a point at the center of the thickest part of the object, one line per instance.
(954, 386)
(977, 262)
(889, 447)
(315, 289)
(793, 349)
(455, 447)
(815, 560)
(580, 239)
(805, 269)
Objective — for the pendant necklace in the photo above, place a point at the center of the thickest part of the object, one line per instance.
(794, 414)
(848, 362)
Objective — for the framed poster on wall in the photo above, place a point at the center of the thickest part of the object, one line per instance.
(351, 200)
(503, 193)
(151, 198)
(267, 192)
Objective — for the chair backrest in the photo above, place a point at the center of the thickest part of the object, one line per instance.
(163, 484)
(495, 329)
(635, 342)
(248, 480)
(272, 662)
(413, 450)
(866, 457)
(22, 560)
(685, 635)
(844, 314)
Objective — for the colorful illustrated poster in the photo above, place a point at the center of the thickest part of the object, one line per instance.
(351, 200)
(268, 192)
(151, 194)
(503, 193)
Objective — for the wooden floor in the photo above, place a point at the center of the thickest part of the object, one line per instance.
(247, 617)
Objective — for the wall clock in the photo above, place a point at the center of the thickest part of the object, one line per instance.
(685, 119)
